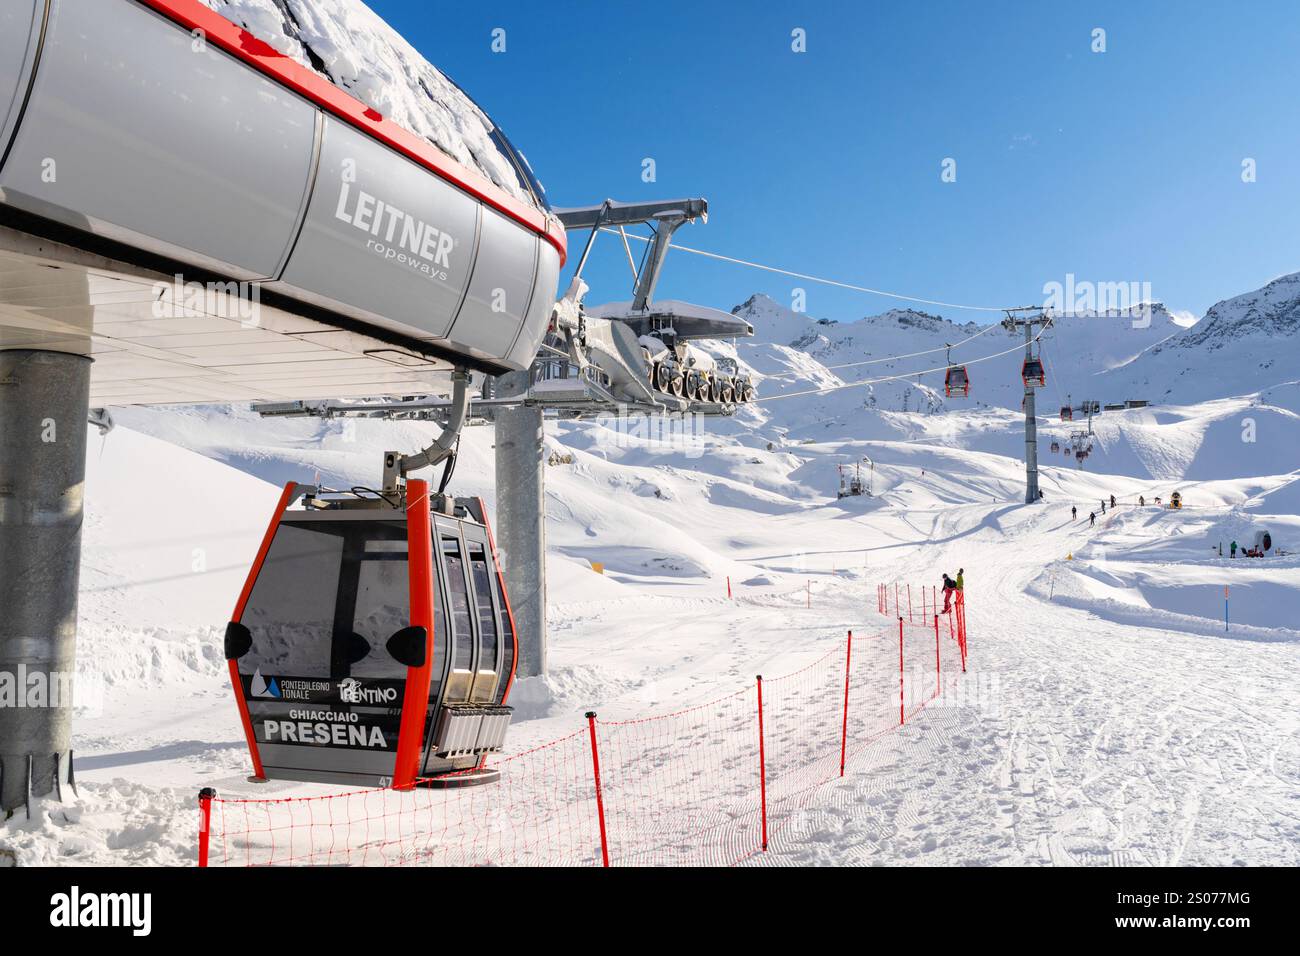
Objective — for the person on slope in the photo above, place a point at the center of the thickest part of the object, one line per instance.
(1103, 505)
(1112, 501)
(1074, 513)
(961, 581)
(1142, 500)
(1232, 549)
(1092, 518)
(949, 586)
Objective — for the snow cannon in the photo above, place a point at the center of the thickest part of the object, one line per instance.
(373, 642)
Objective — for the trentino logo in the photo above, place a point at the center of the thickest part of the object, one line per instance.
(352, 691)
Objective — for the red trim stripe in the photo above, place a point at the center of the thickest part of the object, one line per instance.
(193, 15)
(415, 701)
(245, 718)
(286, 496)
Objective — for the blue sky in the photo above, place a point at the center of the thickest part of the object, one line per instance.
(1122, 166)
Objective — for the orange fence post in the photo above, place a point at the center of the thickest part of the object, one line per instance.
(762, 763)
(205, 823)
(600, 799)
(844, 730)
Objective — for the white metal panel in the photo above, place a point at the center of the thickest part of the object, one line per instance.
(20, 22)
(135, 133)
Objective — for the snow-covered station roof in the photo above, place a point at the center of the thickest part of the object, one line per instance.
(351, 46)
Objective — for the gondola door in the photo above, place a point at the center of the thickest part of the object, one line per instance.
(487, 662)
(460, 630)
(474, 624)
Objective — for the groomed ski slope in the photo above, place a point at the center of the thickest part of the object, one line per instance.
(1081, 735)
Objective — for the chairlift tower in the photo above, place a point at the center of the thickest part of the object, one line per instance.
(1027, 318)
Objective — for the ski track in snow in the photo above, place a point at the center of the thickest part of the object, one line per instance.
(1105, 720)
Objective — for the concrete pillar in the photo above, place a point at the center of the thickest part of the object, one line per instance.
(44, 401)
(521, 521)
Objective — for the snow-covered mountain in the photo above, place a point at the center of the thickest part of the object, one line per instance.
(1242, 345)
(900, 355)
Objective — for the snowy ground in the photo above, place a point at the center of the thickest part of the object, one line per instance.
(1114, 720)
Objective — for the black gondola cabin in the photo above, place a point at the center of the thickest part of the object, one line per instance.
(373, 642)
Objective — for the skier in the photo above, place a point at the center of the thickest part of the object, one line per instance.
(1103, 505)
(1092, 518)
(1142, 500)
(949, 585)
(1232, 549)
(1074, 513)
(1112, 501)
(961, 579)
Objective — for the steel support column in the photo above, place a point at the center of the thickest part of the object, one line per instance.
(521, 520)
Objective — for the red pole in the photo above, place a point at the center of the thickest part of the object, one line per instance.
(205, 823)
(600, 799)
(415, 699)
(844, 731)
(728, 587)
(762, 763)
(807, 586)
(900, 669)
(895, 597)
(909, 602)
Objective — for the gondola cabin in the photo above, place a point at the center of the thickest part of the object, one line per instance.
(956, 383)
(1056, 446)
(1067, 413)
(373, 642)
(1032, 373)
